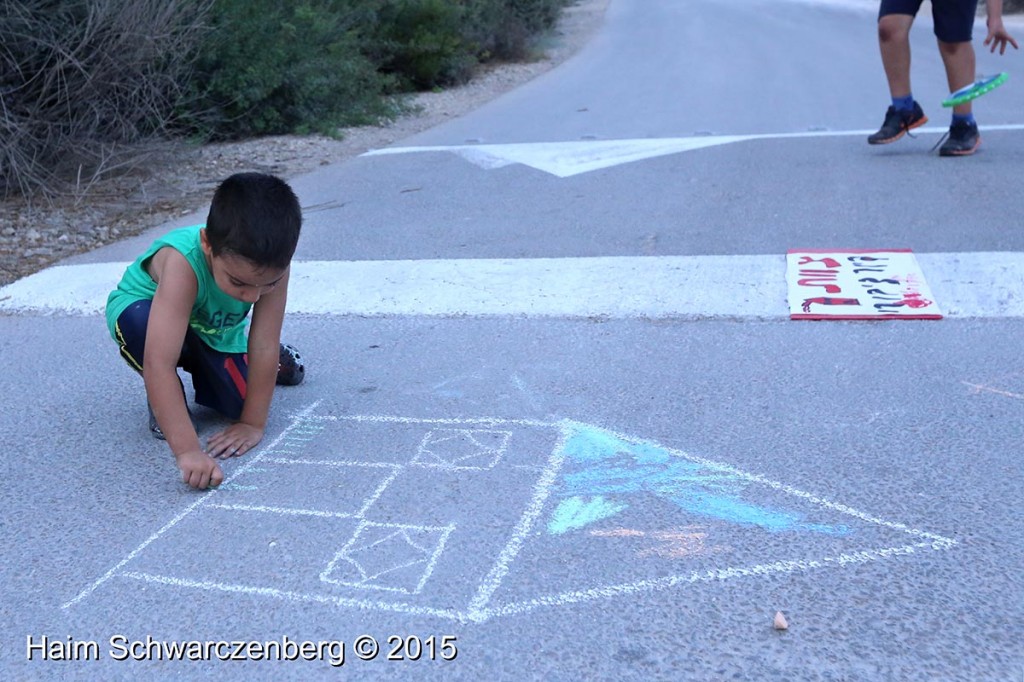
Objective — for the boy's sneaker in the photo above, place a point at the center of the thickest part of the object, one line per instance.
(897, 123)
(962, 140)
(290, 370)
(154, 427)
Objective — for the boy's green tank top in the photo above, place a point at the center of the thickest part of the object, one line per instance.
(217, 318)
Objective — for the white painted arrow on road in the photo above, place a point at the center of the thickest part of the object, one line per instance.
(565, 159)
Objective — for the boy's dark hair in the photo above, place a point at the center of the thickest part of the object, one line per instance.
(255, 216)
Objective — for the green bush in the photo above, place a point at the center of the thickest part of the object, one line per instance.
(504, 29)
(431, 43)
(421, 43)
(81, 81)
(536, 15)
(269, 67)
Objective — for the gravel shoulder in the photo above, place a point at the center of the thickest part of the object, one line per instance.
(177, 180)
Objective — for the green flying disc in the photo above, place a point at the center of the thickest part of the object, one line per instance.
(975, 90)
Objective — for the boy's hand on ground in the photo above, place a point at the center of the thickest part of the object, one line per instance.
(998, 37)
(199, 470)
(233, 441)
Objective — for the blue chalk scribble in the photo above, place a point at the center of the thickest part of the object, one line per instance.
(577, 512)
(604, 473)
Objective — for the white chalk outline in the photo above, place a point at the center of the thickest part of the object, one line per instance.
(541, 492)
(284, 511)
(480, 607)
(440, 463)
(289, 461)
(190, 508)
(785, 566)
(295, 596)
(445, 531)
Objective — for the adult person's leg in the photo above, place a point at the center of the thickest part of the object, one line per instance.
(894, 44)
(959, 60)
(904, 114)
(954, 25)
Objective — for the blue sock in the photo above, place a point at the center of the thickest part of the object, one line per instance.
(963, 118)
(903, 103)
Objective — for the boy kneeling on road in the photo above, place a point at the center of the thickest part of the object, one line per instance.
(184, 303)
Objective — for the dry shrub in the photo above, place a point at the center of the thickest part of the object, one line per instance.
(82, 82)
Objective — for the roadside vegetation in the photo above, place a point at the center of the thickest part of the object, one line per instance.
(86, 86)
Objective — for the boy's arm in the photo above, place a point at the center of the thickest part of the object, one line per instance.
(264, 355)
(998, 36)
(168, 321)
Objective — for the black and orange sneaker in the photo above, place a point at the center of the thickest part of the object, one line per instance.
(290, 370)
(961, 140)
(897, 123)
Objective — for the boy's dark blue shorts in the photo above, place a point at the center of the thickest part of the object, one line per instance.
(218, 378)
(954, 19)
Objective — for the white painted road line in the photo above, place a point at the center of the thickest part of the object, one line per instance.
(975, 285)
(565, 159)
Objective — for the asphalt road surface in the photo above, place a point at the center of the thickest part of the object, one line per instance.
(557, 423)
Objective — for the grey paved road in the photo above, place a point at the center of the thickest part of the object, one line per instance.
(572, 498)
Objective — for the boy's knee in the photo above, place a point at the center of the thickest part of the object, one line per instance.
(131, 332)
(893, 28)
(135, 318)
(220, 379)
(955, 49)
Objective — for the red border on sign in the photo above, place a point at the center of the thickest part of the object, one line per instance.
(819, 316)
(807, 316)
(849, 251)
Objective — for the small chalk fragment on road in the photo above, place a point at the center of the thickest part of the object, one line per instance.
(780, 621)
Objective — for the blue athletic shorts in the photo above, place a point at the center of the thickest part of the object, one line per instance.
(954, 19)
(219, 379)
